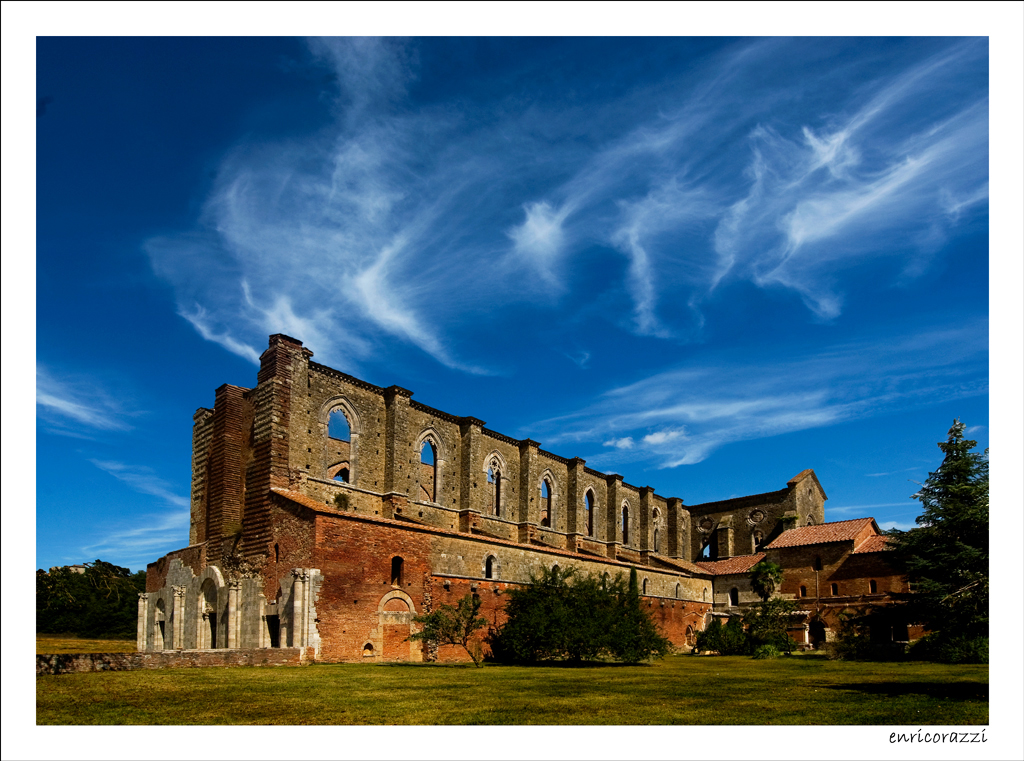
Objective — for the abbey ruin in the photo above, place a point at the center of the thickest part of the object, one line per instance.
(327, 512)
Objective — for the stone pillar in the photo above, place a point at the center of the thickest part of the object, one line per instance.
(528, 474)
(234, 594)
(611, 532)
(574, 497)
(646, 519)
(141, 631)
(179, 617)
(472, 478)
(397, 467)
(299, 576)
(678, 530)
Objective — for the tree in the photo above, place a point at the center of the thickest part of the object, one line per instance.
(570, 616)
(765, 578)
(453, 625)
(946, 556)
(101, 602)
(767, 622)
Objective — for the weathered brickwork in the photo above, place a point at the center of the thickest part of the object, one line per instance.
(328, 512)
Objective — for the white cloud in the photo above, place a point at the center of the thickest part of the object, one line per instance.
(142, 480)
(68, 404)
(695, 411)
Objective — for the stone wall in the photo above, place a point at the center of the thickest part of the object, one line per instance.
(76, 663)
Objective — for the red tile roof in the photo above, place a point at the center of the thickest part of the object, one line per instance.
(738, 564)
(840, 531)
(877, 543)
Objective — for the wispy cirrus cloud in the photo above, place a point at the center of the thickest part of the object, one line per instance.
(356, 236)
(143, 480)
(77, 407)
(681, 416)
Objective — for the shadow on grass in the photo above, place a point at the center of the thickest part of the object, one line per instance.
(539, 664)
(941, 691)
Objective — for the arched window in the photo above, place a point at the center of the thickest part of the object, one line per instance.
(817, 562)
(491, 567)
(368, 650)
(803, 591)
(341, 473)
(705, 594)
(494, 485)
(656, 547)
(625, 524)
(545, 503)
(656, 524)
(734, 597)
(338, 427)
(873, 586)
(588, 501)
(756, 540)
(605, 580)
(645, 586)
(677, 591)
(397, 565)
(554, 573)
(428, 472)
(835, 590)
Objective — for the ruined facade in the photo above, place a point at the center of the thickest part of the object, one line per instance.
(327, 512)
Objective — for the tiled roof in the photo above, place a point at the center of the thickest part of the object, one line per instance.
(840, 531)
(738, 564)
(877, 543)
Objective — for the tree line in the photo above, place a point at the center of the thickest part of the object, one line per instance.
(102, 602)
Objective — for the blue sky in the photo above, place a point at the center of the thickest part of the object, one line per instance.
(705, 263)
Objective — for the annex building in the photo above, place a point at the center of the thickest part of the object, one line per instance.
(327, 512)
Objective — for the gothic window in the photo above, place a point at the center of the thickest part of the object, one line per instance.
(677, 591)
(656, 547)
(397, 564)
(656, 523)
(494, 485)
(428, 472)
(545, 503)
(588, 501)
(645, 586)
(337, 426)
(491, 567)
(339, 445)
(625, 524)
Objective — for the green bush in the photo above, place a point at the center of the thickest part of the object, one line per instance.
(943, 648)
(765, 652)
(569, 616)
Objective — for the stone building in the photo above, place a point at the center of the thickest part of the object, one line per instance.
(327, 512)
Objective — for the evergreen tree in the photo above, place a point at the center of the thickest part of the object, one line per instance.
(102, 602)
(946, 556)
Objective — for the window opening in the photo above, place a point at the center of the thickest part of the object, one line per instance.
(873, 586)
(428, 472)
(274, 630)
(396, 570)
(545, 503)
(803, 591)
(625, 524)
(337, 426)
(494, 479)
(489, 568)
(835, 590)
(817, 562)
(342, 475)
(645, 586)
(677, 591)
(656, 548)
(588, 500)
(734, 597)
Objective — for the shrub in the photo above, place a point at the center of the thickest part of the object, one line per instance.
(951, 649)
(569, 616)
(766, 651)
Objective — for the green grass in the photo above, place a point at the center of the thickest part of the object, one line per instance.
(69, 643)
(805, 689)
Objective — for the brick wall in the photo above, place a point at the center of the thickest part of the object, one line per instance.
(72, 663)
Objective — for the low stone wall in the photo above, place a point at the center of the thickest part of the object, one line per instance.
(71, 663)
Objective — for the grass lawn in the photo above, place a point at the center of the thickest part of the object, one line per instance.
(682, 689)
(69, 643)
